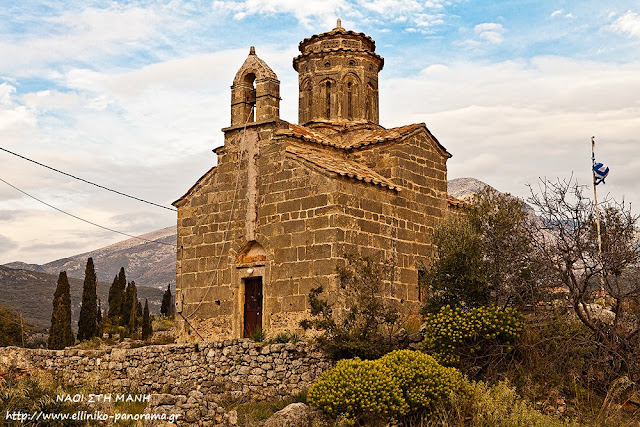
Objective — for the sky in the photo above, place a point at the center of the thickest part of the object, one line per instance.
(133, 95)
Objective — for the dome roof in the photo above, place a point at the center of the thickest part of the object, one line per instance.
(254, 65)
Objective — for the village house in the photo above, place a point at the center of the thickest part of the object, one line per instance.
(287, 201)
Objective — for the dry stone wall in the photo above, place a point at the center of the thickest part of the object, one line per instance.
(230, 369)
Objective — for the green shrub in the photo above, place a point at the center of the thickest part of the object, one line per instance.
(34, 393)
(422, 380)
(358, 321)
(359, 391)
(258, 335)
(453, 332)
(500, 405)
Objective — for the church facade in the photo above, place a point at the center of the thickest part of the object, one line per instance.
(287, 201)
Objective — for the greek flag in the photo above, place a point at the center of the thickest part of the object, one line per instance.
(600, 171)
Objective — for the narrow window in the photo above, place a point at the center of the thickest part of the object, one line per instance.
(309, 102)
(349, 101)
(328, 99)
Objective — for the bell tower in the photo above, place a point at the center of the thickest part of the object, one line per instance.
(255, 94)
(338, 77)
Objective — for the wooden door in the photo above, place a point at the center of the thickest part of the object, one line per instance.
(252, 305)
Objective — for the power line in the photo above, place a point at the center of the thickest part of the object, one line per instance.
(88, 182)
(82, 219)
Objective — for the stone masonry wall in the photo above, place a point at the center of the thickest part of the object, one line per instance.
(234, 368)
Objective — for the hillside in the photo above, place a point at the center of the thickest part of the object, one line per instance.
(30, 293)
(465, 188)
(148, 264)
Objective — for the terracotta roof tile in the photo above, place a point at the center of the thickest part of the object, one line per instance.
(384, 135)
(373, 137)
(308, 135)
(341, 166)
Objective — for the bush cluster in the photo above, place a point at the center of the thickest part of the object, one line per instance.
(402, 383)
(453, 332)
(422, 380)
(358, 389)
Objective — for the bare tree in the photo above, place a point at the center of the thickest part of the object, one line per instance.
(566, 238)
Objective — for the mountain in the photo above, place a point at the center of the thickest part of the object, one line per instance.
(147, 263)
(30, 293)
(465, 188)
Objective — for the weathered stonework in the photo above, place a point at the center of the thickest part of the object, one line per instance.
(286, 202)
(233, 368)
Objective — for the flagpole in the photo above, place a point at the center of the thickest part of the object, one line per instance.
(595, 193)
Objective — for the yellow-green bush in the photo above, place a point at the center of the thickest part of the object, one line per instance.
(359, 390)
(500, 405)
(422, 380)
(402, 383)
(453, 331)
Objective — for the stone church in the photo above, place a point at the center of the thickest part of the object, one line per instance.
(287, 201)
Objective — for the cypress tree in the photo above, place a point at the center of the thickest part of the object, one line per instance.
(132, 302)
(99, 316)
(60, 334)
(88, 321)
(114, 303)
(129, 303)
(147, 331)
(166, 309)
(117, 296)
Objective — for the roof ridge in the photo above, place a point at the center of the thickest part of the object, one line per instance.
(341, 166)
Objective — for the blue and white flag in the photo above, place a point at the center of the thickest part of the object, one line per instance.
(600, 171)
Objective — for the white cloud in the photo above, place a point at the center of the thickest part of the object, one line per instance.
(510, 122)
(490, 32)
(557, 12)
(434, 69)
(324, 10)
(392, 8)
(628, 24)
(87, 35)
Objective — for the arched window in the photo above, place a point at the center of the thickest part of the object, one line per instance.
(306, 101)
(249, 97)
(309, 93)
(327, 97)
(349, 101)
(369, 103)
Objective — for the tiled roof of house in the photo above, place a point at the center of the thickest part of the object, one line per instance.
(341, 166)
(384, 135)
(373, 137)
(308, 135)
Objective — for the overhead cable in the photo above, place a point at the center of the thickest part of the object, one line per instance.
(88, 182)
(84, 220)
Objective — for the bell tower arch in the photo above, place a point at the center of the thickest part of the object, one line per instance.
(255, 93)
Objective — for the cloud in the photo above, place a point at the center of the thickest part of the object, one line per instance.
(10, 215)
(392, 8)
(628, 24)
(509, 113)
(88, 36)
(490, 32)
(557, 12)
(7, 244)
(305, 12)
